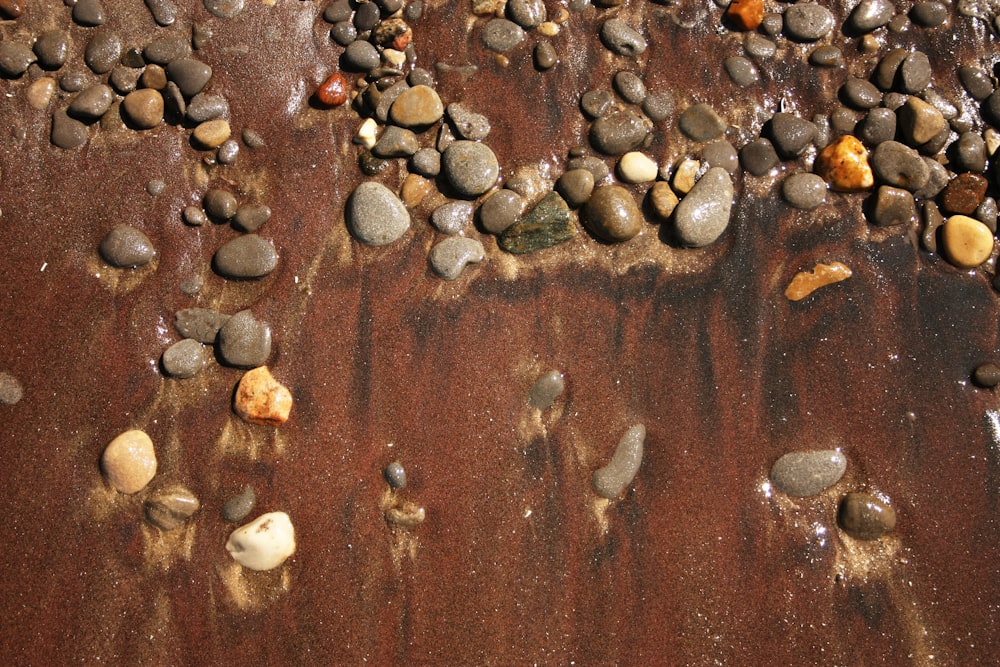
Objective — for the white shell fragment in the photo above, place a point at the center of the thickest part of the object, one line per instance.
(264, 543)
(612, 479)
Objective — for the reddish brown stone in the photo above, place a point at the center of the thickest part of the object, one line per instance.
(745, 14)
(964, 193)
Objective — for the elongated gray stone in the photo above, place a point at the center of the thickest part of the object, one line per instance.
(247, 256)
(703, 215)
(375, 215)
(808, 473)
(611, 480)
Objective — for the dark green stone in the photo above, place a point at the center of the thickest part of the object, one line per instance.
(546, 225)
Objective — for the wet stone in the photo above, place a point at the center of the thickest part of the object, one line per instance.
(89, 13)
(986, 375)
(619, 132)
(164, 12)
(154, 77)
(526, 13)
(759, 157)
(171, 507)
(826, 56)
(970, 153)
(52, 49)
(126, 247)
(40, 92)
(741, 71)
(808, 22)
(67, 133)
(658, 106)
(685, 175)
(166, 49)
(575, 186)
(395, 475)
(190, 75)
(662, 199)
(805, 283)
(253, 139)
(887, 69)
(899, 165)
(74, 82)
(500, 211)
(219, 204)
(199, 324)
(174, 106)
(228, 151)
(453, 217)
(612, 480)
(245, 257)
(92, 103)
(612, 214)
(501, 35)
(703, 214)
(449, 257)
(366, 16)
(700, 122)
(261, 399)
(938, 179)
(123, 79)
(987, 213)
(244, 341)
(251, 218)
(804, 191)
(594, 165)
(808, 473)
(344, 33)
(376, 216)
(791, 135)
(239, 506)
(212, 133)
(194, 216)
(224, 9)
(129, 462)
(919, 122)
(966, 242)
(396, 142)
(630, 87)
(546, 389)
(893, 206)
(964, 193)
(721, 153)
(547, 224)
(976, 81)
(759, 47)
(468, 124)
(203, 107)
(11, 391)
(929, 14)
(470, 167)
(860, 94)
(426, 162)
(418, 106)
(745, 14)
(865, 517)
(877, 127)
(932, 220)
(620, 38)
(155, 187)
(143, 108)
(545, 55)
(914, 72)
(103, 52)
(869, 15)
(338, 10)
(596, 103)
(11, 9)
(15, 58)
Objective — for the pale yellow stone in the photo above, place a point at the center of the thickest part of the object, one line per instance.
(260, 399)
(924, 121)
(686, 175)
(806, 282)
(844, 165)
(264, 543)
(992, 138)
(129, 461)
(367, 134)
(662, 199)
(40, 92)
(549, 28)
(393, 57)
(967, 242)
(637, 167)
(212, 133)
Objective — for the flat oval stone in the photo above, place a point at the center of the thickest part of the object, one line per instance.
(89, 13)
(808, 473)
(967, 242)
(759, 157)
(546, 225)
(190, 75)
(976, 80)
(251, 218)
(871, 14)
(418, 106)
(220, 204)
(629, 86)
(183, 359)
(467, 123)
(260, 399)
(224, 9)
(700, 122)
(200, 324)
(103, 52)
(52, 49)
(865, 517)
(126, 247)
(703, 214)
(637, 167)
(741, 71)
(92, 102)
(170, 508)
(11, 391)
(791, 135)
(244, 341)
(575, 186)
(129, 462)
(899, 165)
(67, 133)
(450, 257)
(395, 475)
(166, 49)
(808, 22)
(470, 167)
(376, 216)
(360, 56)
(15, 58)
(501, 35)
(612, 214)
(204, 106)
(619, 131)
(264, 543)
(212, 133)
(247, 256)
(546, 390)
(878, 126)
(622, 39)
(239, 506)
(500, 210)
(526, 13)
(804, 191)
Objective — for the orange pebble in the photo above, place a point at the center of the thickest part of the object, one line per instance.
(260, 399)
(333, 91)
(844, 165)
(745, 14)
(806, 282)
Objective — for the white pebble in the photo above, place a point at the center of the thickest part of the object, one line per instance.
(393, 57)
(264, 543)
(636, 167)
(367, 133)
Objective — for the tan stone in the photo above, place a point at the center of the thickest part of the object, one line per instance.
(129, 461)
(414, 189)
(685, 176)
(416, 107)
(844, 165)
(144, 108)
(637, 167)
(662, 199)
(920, 121)
(806, 282)
(40, 92)
(260, 399)
(212, 133)
(967, 242)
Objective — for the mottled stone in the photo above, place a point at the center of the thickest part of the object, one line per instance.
(212, 133)
(865, 517)
(898, 165)
(244, 257)
(15, 58)
(619, 131)
(251, 218)
(869, 15)
(501, 35)
(375, 215)
(919, 122)
(805, 283)
(620, 38)
(129, 462)
(11, 391)
(741, 71)
(244, 341)
(791, 135)
(546, 390)
(703, 214)
(808, 473)
(759, 157)
(260, 399)
(987, 375)
(575, 186)
(171, 507)
(808, 22)
(844, 165)
(804, 190)
(470, 167)
(662, 199)
(629, 86)
(546, 225)
(612, 214)
(103, 52)
(452, 218)
(91, 103)
(500, 210)
(52, 49)
(964, 193)
(263, 544)
(395, 475)
(467, 123)
(449, 257)
(239, 506)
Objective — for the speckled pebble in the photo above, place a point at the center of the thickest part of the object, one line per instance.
(596, 166)
(228, 151)
(860, 94)
(629, 86)
(89, 13)
(183, 359)
(470, 167)
(662, 199)
(40, 92)
(205, 106)
(418, 106)
(759, 157)
(546, 56)
(263, 544)
(395, 475)
(969, 153)
(619, 131)
(143, 108)
(344, 33)
(612, 480)
(224, 9)
(200, 324)
(244, 341)
(129, 462)
(878, 126)
(467, 123)
(52, 49)
(976, 81)
(622, 39)
(91, 103)
(967, 242)
(804, 191)
(164, 12)
(844, 165)
(500, 210)
(546, 389)
(453, 217)
(171, 507)
(914, 72)
(245, 257)
(929, 14)
(103, 52)
(126, 247)
(251, 218)
(123, 79)
(67, 133)
(865, 517)
(526, 13)
(826, 56)
(11, 391)
(741, 71)
(15, 58)
(239, 506)
(700, 122)
(190, 75)
(893, 206)
(426, 162)
(261, 399)
(808, 473)
(219, 204)
(791, 134)
(375, 215)
(658, 105)
(396, 142)
(546, 225)
(212, 133)
(869, 15)
(596, 103)
(501, 35)
(703, 214)
(808, 22)
(449, 257)
(612, 214)
(919, 122)
(163, 50)
(721, 153)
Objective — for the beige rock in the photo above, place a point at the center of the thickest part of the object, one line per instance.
(806, 282)
(686, 175)
(416, 107)
(414, 189)
(264, 543)
(662, 199)
(129, 461)
(967, 242)
(844, 165)
(40, 92)
(637, 167)
(260, 399)
(212, 133)
(920, 121)
(144, 108)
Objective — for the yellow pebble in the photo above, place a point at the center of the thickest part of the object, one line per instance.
(212, 133)
(549, 29)
(806, 282)
(129, 461)
(684, 177)
(967, 242)
(844, 165)
(662, 199)
(260, 399)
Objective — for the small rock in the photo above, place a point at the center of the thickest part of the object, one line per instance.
(212, 133)
(546, 225)
(414, 189)
(67, 133)
(239, 506)
(804, 191)
(470, 167)
(612, 214)
(964, 193)
(630, 87)
(526, 13)
(700, 123)
(407, 516)
(546, 390)
(164, 12)
(89, 13)
(658, 106)
(844, 165)
(721, 153)
(869, 15)
(501, 35)
(596, 166)
(244, 341)
(878, 126)
(360, 56)
(251, 218)
(703, 215)
(596, 103)
(826, 56)
(976, 80)
(153, 76)
(129, 462)
(576, 186)
(164, 50)
(123, 79)
(860, 94)
(92, 103)
(264, 543)
(126, 247)
(418, 106)
(546, 56)
(919, 122)
(741, 71)
(200, 324)
(898, 165)
(662, 199)
(745, 14)
(759, 157)
(686, 175)
(183, 359)
(929, 14)
(865, 517)
(246, 256)
(366, 16)
(395, 475)
(260, 399)
(759, 47)
(376, 216)
(620, 131)
(40, 92)
(636, 167)
(806, 282)
(426, 162)
(190, 75)
(220, 204)
(11, 391)
(468, 124)
(967, 242)
(15, 58)
(987, 375)
(452, 218)
(171, 507)
(914, 73)
(791, 135)
(622, 39)
(450, 257)
(893, 206)
(52, 49)
(204, 106)
(500, 210)
(970, 153)
(612, 480)
(103, 52)
(808, 22)
(808, 473)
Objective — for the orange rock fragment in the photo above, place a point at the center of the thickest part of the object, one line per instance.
(745, 14)
(260, 399)
(806, 282)
(844, 165)
(414, 189)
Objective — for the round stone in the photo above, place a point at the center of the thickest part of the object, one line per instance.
(596, 103)
(251, 218)
(636, 167)
(171, 507)
(264, 543)
(467, 123)
(470, 167)
(204, 106)
(700, 122)
(228, 151)
(129, 462)
(576, 186)
(89, 13)
(914, 72)
(967, 242)
(212, 133)
(190, 75)
(366, 16)
(220, 204)
(361, 56)
(899, 165)
(244, 341)
(826, 56)
(860, 94)
(759, 157)
(92, 103)
(658, 106)
(52, 49)
(40, 92)
(103, 52)
(526, 13)
(871, 14)
(630, 87)
(545, 55)
(15, 58)
(893, 206)
(396, 142)
(977, 81)
(426, 162)
(126, 247)
(970, 153)
(224, 9)
(620, 131)
(703, 214)
(791, 134)
(450, 257)
(239, 506)
(612, 214)
(395, 475)
(245, 257)
(741, 71)
(808, 473)
(67, 133)
(662, 199)
(11, 391)
(344, 33)
(166, 49)
(919, 122)
(622, 39)
(452, 218)
(804, 191)
(929, 14)
(376, 216)
(501, 35)
(987, 375)
(546, 390)
(721, 153)
(878, 126)
(500, 210)
(183, 359)
(418, 106)
(808, 22)
(865, 517)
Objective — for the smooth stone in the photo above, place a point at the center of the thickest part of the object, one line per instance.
(453, 217)
(470, 167)
(153, 76)
(67, 133)
(375, 215)
(51, 47)
(860, 94)
(790, 134)
(254, 140)
(89, 13)
(612, 480)
(741, 71)
(526, 13)
(700, 122)
(251, 218)
(396, 142)
(721, 153)
(261, 399)
(426, 162)
(15, 58)
(123, 79)
(361, 56)
(546, 389)
(200, 324)
(865, 517)
(964, 193)
(414, 189)
(129, 462)
(220, 204)
(244, 341)
(878, 126)
(612, 214)
(703, 214)
(967, 242)
(888, 68)
(395, 475)
(759, 157)
(190, 75)
(808, 22)
(976, 81)
(166, 49)
(826, 56)
(869, 15)
(174, 108)
(546, 225)
(685, 175)
(636, 167)
(596, 166)
(987, 375)
(126, 247)
(662, 199)
(500, 210)
(844, 165)
(899, 165)
(204, 106)
(576, 186)
(91, 103)
(501, 35)
(970, 153)
(919, 122)
(468, 124)
(620, 131)
(344, 33)
(939, 177)
(658, 105)
(246, 256)
(171, 507)
(620, 38)
(929, 14)
(11, 391)
(224, 9)
(418, 106)
(366, 16)
(155, 187)
(759, 47)
(383, 100)
(103, 52)
(914, 73)
(264, 543)
(804, 191)
(164, 12)
(629, 86)
(338, 10)
(545, 55)
(183, 359)
(808, 473)
(212, 133)
(893, 206)
(40, 92)
(596, 103)
(228, 151)
(239, 506)
(449, 257)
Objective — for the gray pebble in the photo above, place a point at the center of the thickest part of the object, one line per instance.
(155, 187)
(970, 153)
(205, 106)
(246, 256)
(174, 106)
(190, 75)
(126, 247)
(500, 211)
(860, 94)
(772, 24)
(123, 79)
(92, 103)
(224, 9)
(700, 122)
(103, 52)
(164, 12)
(52, 49)
(759, 157)
(826, 56)
(89, 13)
(200, 324)
(546, 389)
(194, 216)
(596, 103)
(526, 13)
(183, 359)
(893, 206)
(791, 135)
(987, 212)
(869, 15)
(887, 68)
(940, 102)
(449, 257)
(219, 204)
(244, 341)
(865, 517)
(170, 508)
(803, 474)
(843, 121)
(929, 14)
(932, 219)
(366, 16)
(914, 72)
(470, 167)
(808, 22)
(387, 98)
(166, 49)
(630, 87)
(622, 39)
(501, 35)
(361, 56)
(251, 218)
(594, 165)
(824, 131)
(239, 506)
(878, 127)
(758, 46)
(804, 191)
(228, 151)
(976, 80)
(344, 33)
(11, 391)
(396, 142)
(546, 56)
(201, 35)
(395, 475)
(611, 480)
(376, 216)
(619, 131)
(575, 186)
(453, 217)
(191, 285)
(991, 108)
(936, 182)
(899, 165)
(703, 214)
(721, 153)
(253, 139)
(658, 106)
(418, 76)
(338, 10)
(467, 123)
(426, 162)
(741, 71)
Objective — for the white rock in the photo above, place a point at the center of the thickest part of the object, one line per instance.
(367, 134)
(129, 461)
(636, 167)
(264, 543)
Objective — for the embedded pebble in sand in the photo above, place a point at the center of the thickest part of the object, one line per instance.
(201, 324)
(703, 214)
(546, 390)
(264, 543)
(244, 341)
(450, 257)
(418, 106)
(620, 131)
(260, 399)
(986, 375)
(126, 247)
(865, 517)
(183, 359)
(11, 390)
(453, 217)
(129, 461)
(967, 242)
(547, 224)
(395, 475)
(637, 167)
(621, 38)
(470, 167)
(170, 507)
(806, 282)
(612, 214)
(239, 506)
(611, 480)
(245, 257)
(406, 516)
(375, 215)
(808, 473)
(804, 190)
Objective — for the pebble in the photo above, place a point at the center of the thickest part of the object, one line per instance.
(594, 165)
(190, 75)
(166, 49)
(612, 214)
(153, 76)
(700, 122)
(919, 122)
(914, 73)
(453, 217)
(611, 480)
(360, 56)
(741, 71)
(576, 185)
(126, 247)
(622, 39)
(808, 22)
(201, 35)
(239, 506)
(371, 165)
(426, 162)
(619, 131)
(500, 210)
(596, 103)
(526, 13)
(636, 167)
(414, 189)
(826, 56)
(929, 14)
(395, 475)
(759, 47)
(174, 106)
(629, 86)
(171, 507)
(91, 103)
(11, 9)
(204, 107)
(804, 191)
(11, 391)
(40, 92)
(220, 204)
(899, 165)
(244, 341)
(15, 58)
(228, 151)
(418, 106)
(123, 79)
(470, 167)
(790, 134)
(893, 206)
(449, 257)
(932, 221)
(199, 324)
(89, 13)
(986, 375)
(366, 16)
(964, 193)
(260, 399)
(52, 49)
(967, 242)
(129, 462)
(546, 56)
(721, 153)
(253, 139)
(869, 15)
(686, 175)
(501, 35)
(74, 82)
(987, 213)
(844, 165)
(759, 157)
(547, 224)
(662, 199)
(970, 153)
(212, 133)
(396, 142)
(344, 33)
(865, 517)
(976, 81)
(338, 10)
(224, 9)
(805, 283)
(860, 94)
(808, 473)
(103, 52)
(164, 12)
(703, 214)
(155, 187)
(376, 216)
(878, 126)
(251, 218)
(264, 543)
(468, 124)
(183, 359)
(745, 14)
(67, 133)
(658, 106)
(245, 257)
(546, 389)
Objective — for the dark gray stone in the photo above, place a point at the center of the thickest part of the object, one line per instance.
(620, 38)
(808, 22)
(89, 13)
(899, 165)
(759, 157)
(804, 190)
(630, 87)
(702, 215)
(166, 49)
(244, 341)
(596, 103)
(219, 204)
(619, 131)
(860, 94)
(453, 217)
(700, 122)
(126, 247)
(893, 206)
(791, 135)
(92, 103)
(501, 35)
(741, 71)
(245, 257)
(869, 15)
(183, 359)
(190, 75)
(103, 52)
(52, 49)
(526, 13)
